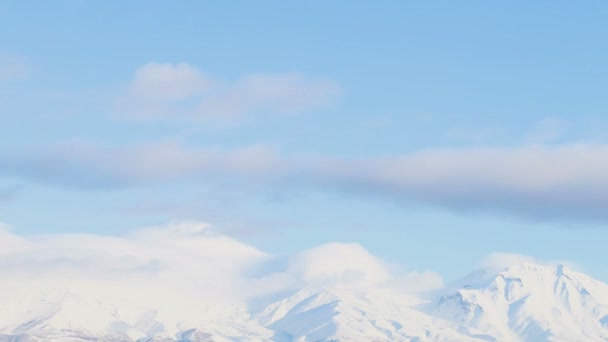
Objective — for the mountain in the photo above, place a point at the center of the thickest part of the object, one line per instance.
(348, 316)
(523, 302)
(529, 302)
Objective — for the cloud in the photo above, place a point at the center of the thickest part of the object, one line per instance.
(351, 266)
(9, 193)
(165, 91)
(547, 130)
(168, 82)
(9, 242)
(540, 182)
(496, 262)
(83, 165)
(560, 181)
(339, 263)
(499, 261)
(186, 267)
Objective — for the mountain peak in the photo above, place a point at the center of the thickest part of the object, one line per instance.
(528, 301)
(484, 277)
(527, 267)
(524, 301)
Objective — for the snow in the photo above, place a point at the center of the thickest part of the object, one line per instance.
(186, 283)
(524, 302)
(529, 302)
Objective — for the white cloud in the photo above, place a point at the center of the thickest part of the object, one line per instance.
(498, 261)
(339, 264)
(186, 269)
(9, 192)
(547, 130)
(155, 81)
(9, 242)
(182, 92)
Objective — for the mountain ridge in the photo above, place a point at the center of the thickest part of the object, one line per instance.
(521, 302)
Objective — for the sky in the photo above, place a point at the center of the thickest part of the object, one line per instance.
(433, 134)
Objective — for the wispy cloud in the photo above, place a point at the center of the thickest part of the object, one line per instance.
(83, 165)
(498, 261)
(540, 182)
(165, 91)
(9, 192)
(547, 130)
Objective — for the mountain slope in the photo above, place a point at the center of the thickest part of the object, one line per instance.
(524, 302)
(349, 316)
(529, 302)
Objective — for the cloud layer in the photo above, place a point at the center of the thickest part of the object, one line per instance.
(186, 267)
(540, 182)
(560, 181)
(83, 165)
(165, 91)
(498, 261)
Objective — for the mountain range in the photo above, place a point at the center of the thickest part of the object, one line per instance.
(522, 302)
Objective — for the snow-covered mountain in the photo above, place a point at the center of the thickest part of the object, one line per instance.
(529, 302)
(523, 302)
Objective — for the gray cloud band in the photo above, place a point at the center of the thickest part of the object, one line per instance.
(544, 182)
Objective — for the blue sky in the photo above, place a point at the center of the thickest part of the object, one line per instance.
(433, 134)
